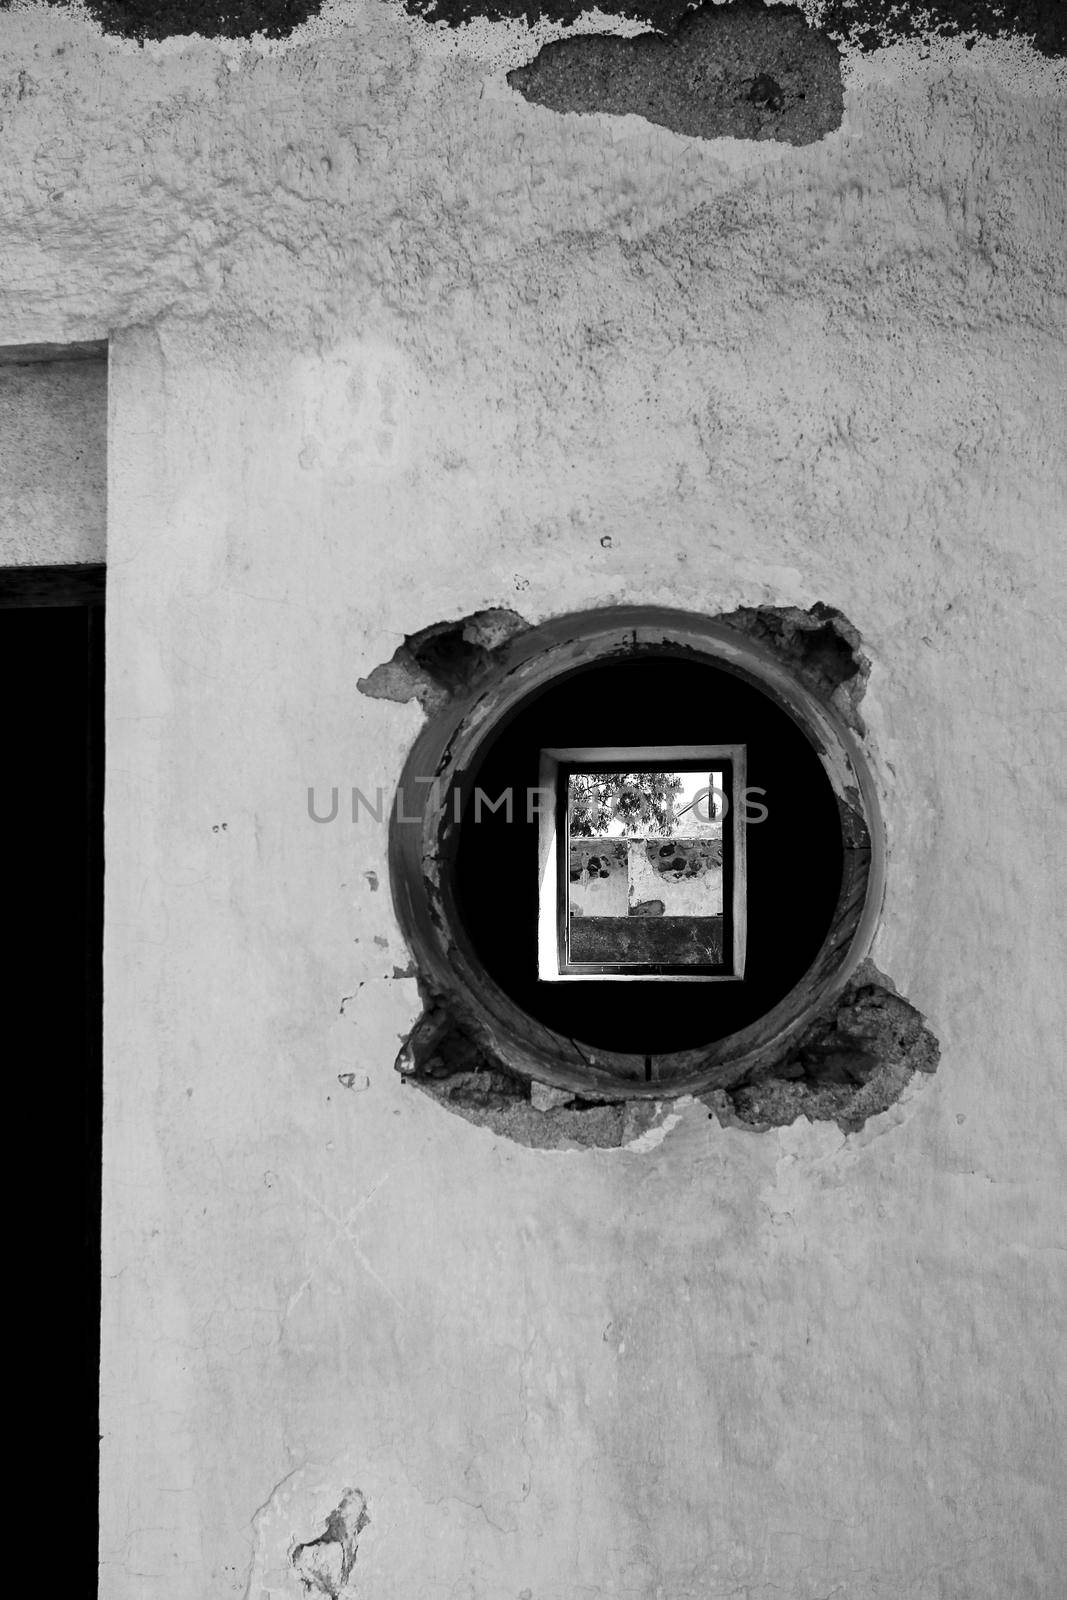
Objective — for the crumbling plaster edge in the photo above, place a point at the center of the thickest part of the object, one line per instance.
(501, 45)
(805, 1139)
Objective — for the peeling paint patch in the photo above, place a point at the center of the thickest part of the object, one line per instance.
(851, 1063)
(819, 644)
(445, 659)
(743, 71)
(439, 1058)
(653, 1136)
(324, 1565)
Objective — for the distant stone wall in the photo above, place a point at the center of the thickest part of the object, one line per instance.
(656, 877)
(599, 878)
(684, 875)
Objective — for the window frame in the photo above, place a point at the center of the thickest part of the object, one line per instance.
(554, 963)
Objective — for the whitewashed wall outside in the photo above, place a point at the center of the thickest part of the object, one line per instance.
(696, 896)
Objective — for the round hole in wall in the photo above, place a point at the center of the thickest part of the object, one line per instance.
(800, 868)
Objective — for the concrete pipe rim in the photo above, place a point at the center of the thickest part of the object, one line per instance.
(458, 733)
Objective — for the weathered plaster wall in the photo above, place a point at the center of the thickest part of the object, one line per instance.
(53, 460)
(599, 879)
(695, 890)
(608, 877)
(390, 345)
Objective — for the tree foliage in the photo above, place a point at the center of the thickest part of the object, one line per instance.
(641, 802)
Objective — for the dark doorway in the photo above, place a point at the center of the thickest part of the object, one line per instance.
(52, 644)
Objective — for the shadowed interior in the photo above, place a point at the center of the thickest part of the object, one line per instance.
(794, 856)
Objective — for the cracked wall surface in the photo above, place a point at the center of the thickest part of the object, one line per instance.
(392, 345)
(324, 1565)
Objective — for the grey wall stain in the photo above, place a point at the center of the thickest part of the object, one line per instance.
(852, 1062)
(743, 71)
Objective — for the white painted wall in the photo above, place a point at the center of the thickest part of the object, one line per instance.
(602, 897)
(700, 896)
(389, 345)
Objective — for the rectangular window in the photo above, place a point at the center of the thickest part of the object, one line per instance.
(642, 863)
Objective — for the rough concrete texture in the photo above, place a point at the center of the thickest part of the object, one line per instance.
(851, 1063)
(686, 871)
(444, 659)
(53, 462)
(391, 345)
(741, 71)
(819, 644)
(504, 1105)
(442, 1060)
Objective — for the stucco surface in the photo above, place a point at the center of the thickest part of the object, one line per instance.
(53, 462)
(391, 345)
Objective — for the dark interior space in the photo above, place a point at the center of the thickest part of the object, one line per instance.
(795, 855)
(52, 636)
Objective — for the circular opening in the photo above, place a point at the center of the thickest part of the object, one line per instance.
(467, 889)
(794, 854)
